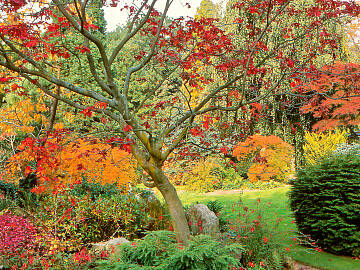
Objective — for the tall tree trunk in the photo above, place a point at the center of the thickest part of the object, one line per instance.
(176, 209)
(152, 164)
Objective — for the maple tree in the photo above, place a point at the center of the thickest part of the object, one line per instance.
(163, 120)
(334, 96)
(270, 157)
(74, 160)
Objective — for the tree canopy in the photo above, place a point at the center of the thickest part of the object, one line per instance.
(145, 83)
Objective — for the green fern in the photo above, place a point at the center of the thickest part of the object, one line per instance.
(160, 251)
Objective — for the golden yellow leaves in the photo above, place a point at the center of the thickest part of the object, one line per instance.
(318, 145)
(21, 117)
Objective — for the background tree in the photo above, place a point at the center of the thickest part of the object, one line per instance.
(164, 118)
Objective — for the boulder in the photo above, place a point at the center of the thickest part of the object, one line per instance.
(202, 220)
(111, 244)
(155, 208)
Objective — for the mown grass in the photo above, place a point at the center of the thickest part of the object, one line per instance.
(278, 208)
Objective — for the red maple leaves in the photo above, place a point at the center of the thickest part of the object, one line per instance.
(335, 96)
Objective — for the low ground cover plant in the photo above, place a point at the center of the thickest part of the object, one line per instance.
(81, 260)
(16, 235)
(159, 250)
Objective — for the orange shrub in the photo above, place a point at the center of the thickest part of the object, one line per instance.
(72, 160)
(270, 157)
(96, 162)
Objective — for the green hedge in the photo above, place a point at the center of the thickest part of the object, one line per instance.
(325, 199)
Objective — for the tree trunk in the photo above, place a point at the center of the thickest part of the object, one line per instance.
(178, 218)
(153, 166)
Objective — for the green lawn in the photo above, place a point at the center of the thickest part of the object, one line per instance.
(279, 203)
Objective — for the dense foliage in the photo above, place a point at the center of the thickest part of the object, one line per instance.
(319, 145)
(68, 160)
(76, 102)
(269, 157)
(159, 250)
(325, 200)
(17, 234)
(209, 175)
(165, 87)
(87, 219)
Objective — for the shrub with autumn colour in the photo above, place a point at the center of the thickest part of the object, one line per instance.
(209, 174)
(17, 234)
(73, 220)
(270, 157)
(320, 145)
(61, 159)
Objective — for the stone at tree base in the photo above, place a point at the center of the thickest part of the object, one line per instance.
(155, 208)
(109, 245)
(202, 220)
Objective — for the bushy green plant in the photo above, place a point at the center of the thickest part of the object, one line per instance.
(325, 199)
(19, 195)
(94, 189)
(9, 190)
(159, 250)
(119, 215)
(76, 220)
(217, 206)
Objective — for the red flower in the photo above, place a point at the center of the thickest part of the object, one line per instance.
(266, 239)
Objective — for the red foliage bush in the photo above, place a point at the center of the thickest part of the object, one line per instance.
(16, 234)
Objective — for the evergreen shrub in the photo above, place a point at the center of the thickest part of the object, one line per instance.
(159, 250)
(325, 199)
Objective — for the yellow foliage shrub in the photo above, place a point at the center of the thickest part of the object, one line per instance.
(270, 157)
(319, 145)
(203, 176)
